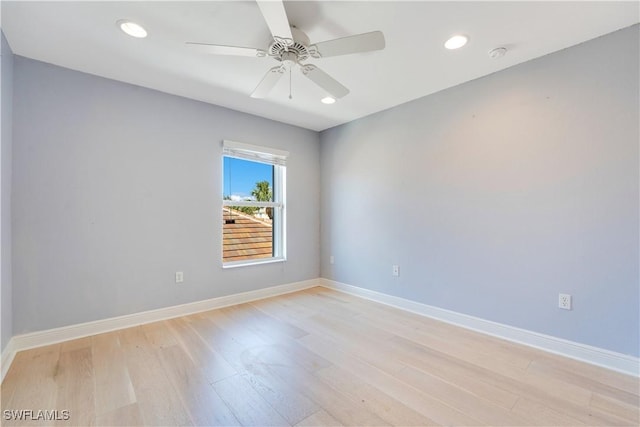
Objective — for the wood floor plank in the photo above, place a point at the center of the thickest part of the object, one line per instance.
(198, 396)
(244, 351)
(550, 386)
(77, 344)
(461, 399)
(314, 357)
(623, 410)
(395, 318)
(15, 378)
(290, 353)
(113, 387)
(283, 308)
(157, 399)
(491, 348)
(290, 402)
(458, 348)
(543, 414)
(265, 323)
(451, 370)
(374, 400)
(246, 404)
(75, 381)
(159, 334)
(359, 341)
(596, 373)
(296, 373)
(295, 355)
(341, 407)
(227, 339)
(541, 369)
(290, 350)
(212, 364)
(320, 418)
(318, 303)
(416, 399)
(37, 388)
(324, 326)
(125, 416)
(542, 392)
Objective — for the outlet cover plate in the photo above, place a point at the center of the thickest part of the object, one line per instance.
(564, 301)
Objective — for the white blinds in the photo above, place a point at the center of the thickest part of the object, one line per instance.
(254, 153)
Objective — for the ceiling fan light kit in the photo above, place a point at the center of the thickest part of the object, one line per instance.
(291, 46)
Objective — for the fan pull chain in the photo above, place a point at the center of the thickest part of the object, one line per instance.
(290, 97)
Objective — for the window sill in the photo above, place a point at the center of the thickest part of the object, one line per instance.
(250, 263)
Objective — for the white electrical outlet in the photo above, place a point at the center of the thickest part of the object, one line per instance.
(179, 277)
(331, 259)
(564, 301)
(395, 270)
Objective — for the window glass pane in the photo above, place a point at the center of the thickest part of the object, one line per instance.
(247, 180)
(248, 231)
(246, 236)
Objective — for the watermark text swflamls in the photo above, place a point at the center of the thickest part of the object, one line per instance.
(36, 415)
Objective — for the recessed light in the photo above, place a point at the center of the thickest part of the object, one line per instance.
(133, 29)
(456, 42)
(328, 100)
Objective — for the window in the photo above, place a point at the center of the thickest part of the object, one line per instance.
(253, 205)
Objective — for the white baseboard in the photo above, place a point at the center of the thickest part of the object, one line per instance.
(608, 359)
(596, 356)
(6, 358)
(65, 333)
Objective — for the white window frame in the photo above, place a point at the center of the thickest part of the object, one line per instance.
(276, 158)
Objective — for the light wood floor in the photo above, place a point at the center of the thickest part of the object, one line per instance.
(316, 357)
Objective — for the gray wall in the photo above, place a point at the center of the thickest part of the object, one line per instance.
(498, 194)
(116, 187)
(6, 79)
(493, 197)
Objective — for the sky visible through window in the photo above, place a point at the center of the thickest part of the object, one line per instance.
(240, 177)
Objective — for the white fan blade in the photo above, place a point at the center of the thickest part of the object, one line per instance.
(325, 81)
(365, 42)
(217, 49)
(276, 18)
(268, 82)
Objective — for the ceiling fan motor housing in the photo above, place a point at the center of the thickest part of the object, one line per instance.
(291, 51)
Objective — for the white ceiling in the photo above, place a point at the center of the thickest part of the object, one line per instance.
(82, 35)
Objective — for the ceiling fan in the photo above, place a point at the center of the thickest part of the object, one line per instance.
(291, 47)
